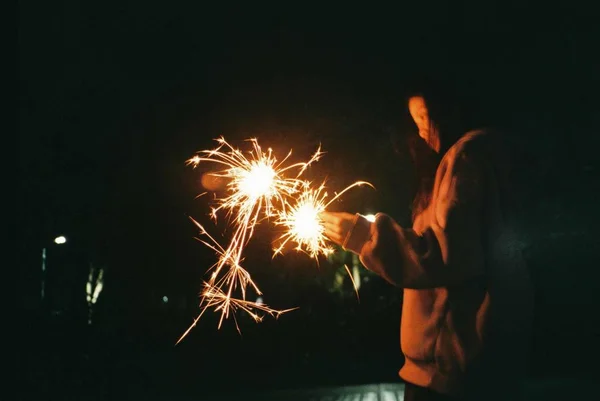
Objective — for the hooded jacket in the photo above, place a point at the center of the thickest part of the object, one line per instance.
(467, 307)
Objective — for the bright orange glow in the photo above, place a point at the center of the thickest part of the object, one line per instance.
(258, 181)
(303, 225)
(302, 222)
(258, 187)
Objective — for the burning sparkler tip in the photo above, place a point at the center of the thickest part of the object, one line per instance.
(259, 187)
(195, 160)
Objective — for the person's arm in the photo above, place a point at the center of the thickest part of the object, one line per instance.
(449, 251)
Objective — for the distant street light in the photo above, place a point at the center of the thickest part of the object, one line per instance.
(60, 240)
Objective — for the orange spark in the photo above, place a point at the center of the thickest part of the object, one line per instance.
(302, 222)
(257, 187)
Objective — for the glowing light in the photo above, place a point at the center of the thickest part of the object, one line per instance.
(258, 181)
(194, 160)
(258, 187)
(370, 217)
(306, 222)
(303, 224)
(60, 240)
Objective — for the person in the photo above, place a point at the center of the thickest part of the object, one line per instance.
(467, 305)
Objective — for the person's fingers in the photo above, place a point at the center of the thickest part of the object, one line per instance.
(330, 231)
(334, 236)
(336, 217)
(329, 217)
(329, 223)
(337, 225)
(329, 220)
(347, 216)
(336, 240)
(333, 228)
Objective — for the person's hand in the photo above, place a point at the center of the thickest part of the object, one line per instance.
(338, 225)
(214, 183)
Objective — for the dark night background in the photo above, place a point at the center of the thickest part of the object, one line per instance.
(115, 97)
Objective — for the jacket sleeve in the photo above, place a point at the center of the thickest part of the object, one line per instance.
(448, 251)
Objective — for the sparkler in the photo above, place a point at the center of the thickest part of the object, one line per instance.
(213, 295)
(302, 222)
(257, 184)
(258, 188)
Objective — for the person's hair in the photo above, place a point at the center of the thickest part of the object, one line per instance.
(425, 161)
(446, 110)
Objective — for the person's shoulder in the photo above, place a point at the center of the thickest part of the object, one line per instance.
(476, 138)
(477, 143)
(476, 147)
(466, 145)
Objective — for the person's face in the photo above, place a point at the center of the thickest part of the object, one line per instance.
(420, 115)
